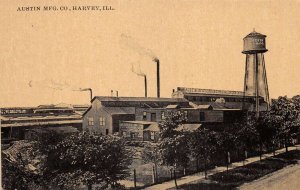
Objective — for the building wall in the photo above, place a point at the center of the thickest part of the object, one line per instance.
(233, 101)
(139, 114)
(203, 116)
(131, 131)
(151, 136)
(116, 119)
(96, 112)
(193, 115)
(135, 132)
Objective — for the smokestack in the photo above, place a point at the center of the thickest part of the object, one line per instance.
(87, 89)
(158, 77)
(117, 93)
(111, 93)
(145, 80)
(91, 93)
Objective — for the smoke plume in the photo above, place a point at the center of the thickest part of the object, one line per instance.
(82, 89)
(137, 70)
(49, 84)
(129, 42)
(55, 85)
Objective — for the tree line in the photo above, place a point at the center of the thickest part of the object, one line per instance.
(68, 162)
(249, 135)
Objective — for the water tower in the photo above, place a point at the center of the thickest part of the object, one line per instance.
(255, 82)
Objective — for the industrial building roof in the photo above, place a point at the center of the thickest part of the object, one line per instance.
(153, 127)
(41, 123)
(188, 127)
(172, 106)
(140, 122)
(65, 129)
(138, 99)
(119, 110)
(204, 107)
(209, 91)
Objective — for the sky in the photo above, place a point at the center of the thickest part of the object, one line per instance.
(46, 56)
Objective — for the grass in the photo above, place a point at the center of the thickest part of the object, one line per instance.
(231, 179)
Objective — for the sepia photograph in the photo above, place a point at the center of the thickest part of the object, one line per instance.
(150, 94)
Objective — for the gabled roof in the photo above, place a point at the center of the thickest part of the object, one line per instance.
(87, 110)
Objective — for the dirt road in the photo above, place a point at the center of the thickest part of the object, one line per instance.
(284, 179)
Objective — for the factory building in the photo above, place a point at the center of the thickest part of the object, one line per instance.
(106, 113)
(139, 130)
(137, 118)
(18, 122)
(195, 114)
(219, 99)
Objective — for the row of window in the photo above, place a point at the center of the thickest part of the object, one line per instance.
(153, 116)
(91, 121)
(207, 99)
(163, 116)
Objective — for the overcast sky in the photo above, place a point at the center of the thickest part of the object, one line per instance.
(45, 56)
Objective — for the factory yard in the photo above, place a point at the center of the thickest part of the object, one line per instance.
(287, 179)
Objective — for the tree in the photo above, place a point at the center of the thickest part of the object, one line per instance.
(18, 169)
(268, 130)
(86, 159)
(285, 112)
(203, 145)
(246, 132)
(172, 146)
(150, 153)
(296, 101)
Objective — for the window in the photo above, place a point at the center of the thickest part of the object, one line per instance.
(90, 121)
(163, 115)
(106, 131)
(133, 135)
(202, 116)
(152, 135)
(102, 121)
(153, 116)
(144, 115)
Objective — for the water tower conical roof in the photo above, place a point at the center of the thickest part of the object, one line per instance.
(254, 34)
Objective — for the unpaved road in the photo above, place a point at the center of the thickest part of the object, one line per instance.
(285, 179)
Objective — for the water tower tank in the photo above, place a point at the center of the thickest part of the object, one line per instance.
(254, 43)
